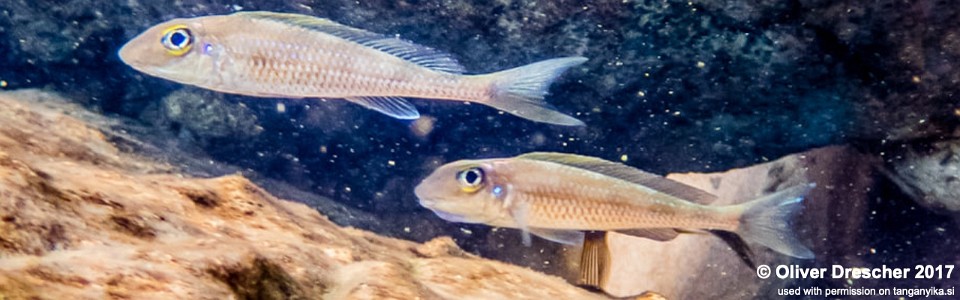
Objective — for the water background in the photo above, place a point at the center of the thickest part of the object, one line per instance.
(671, 86)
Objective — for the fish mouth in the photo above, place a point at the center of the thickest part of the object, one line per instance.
(450, 217)
(428, 203)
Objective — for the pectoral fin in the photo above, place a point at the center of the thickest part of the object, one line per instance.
(520, 211)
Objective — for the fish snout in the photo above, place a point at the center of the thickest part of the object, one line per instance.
(125, 54)
(131, 56)
(421, 192)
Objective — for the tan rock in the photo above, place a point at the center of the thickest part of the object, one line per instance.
(80, 219)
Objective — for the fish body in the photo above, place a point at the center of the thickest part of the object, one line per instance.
(567, 197)
(267, 54)
(558, 196)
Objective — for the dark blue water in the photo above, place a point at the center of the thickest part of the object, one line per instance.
(674, 86)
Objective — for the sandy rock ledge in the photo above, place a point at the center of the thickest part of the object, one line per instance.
(80, 219)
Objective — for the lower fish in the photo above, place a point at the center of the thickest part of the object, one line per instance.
(560, 196)
(266, 54)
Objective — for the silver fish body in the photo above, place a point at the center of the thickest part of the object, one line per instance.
(294, 56)
(557, 196)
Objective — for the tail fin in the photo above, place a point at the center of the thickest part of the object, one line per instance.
(520, 90)
(765, 221)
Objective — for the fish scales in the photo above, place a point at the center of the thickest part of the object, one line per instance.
(558, 196)
(266, 54)
(333, 67)
(606, 203)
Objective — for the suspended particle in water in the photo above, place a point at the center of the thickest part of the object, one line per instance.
(423, 126)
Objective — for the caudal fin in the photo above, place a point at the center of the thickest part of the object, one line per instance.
(520, 90)
(765, 221)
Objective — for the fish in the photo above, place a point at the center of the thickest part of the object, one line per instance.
(283, 55)
(559, 197)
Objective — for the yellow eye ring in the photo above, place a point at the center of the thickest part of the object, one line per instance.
(177, 40)
(470, 180)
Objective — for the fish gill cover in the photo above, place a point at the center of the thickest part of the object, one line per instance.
(671, 86)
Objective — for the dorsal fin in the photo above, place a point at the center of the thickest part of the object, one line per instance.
(626, 173)
(420, 55)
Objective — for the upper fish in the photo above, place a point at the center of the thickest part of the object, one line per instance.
(268, 54)
(558, 196)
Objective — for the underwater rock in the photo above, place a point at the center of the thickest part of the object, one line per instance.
(675, 85)
(208, 115)
(906, 53)
(930, 174)
(81, 219)
(677, 268)
(748, 10)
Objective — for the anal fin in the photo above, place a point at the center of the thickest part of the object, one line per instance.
(656, 234)
(392, 106)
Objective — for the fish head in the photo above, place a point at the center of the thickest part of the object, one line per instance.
(180, 50)
(466, 191)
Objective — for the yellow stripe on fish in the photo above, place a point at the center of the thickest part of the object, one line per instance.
(267, 54)
(558, 196)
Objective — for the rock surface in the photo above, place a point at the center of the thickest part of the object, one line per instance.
(80, 219)
(207, 115)
(929, 173)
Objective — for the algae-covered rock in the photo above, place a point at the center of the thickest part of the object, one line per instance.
(208, 115)
(929, 173)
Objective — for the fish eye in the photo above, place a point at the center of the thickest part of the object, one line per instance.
(177, 40)
(470, 179)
